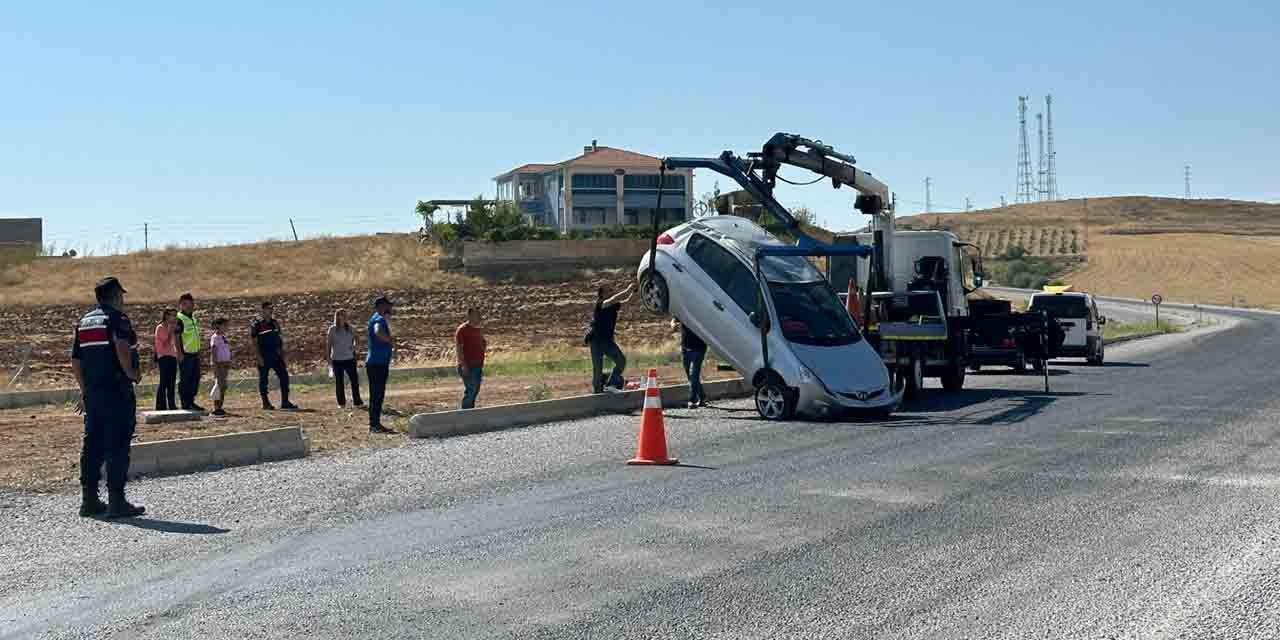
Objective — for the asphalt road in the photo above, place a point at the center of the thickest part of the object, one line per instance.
(1136, 500)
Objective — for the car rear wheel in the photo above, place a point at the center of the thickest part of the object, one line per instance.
(773, 400)
(654, 294)
(1097, 358)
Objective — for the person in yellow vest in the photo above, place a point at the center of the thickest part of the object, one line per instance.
(188, 354)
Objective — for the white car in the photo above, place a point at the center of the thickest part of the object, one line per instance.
(1077, 314)
(818, 363)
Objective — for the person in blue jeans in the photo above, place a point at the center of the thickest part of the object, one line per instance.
(470, 346)
(378, 361)
(601, 339)
(693, 351)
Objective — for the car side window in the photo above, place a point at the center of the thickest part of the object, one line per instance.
(733, 277)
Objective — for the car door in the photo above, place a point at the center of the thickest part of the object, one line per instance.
(731, 296)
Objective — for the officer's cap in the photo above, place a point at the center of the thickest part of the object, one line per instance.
(107, 285)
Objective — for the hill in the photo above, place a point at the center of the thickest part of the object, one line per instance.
(1211, 251)
(369, 263)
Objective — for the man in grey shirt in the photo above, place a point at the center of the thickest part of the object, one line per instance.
(342, 357)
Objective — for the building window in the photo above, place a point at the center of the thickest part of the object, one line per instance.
(641, 182)
(528, 189)
(631, 216)
(594, 182)
(588, 215)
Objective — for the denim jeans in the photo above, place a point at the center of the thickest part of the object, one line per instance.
(600, 351)
(693, 369)
(471, 382)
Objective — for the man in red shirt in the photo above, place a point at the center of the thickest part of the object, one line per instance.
(470, 343)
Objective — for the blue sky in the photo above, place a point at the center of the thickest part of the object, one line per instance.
(219, 123)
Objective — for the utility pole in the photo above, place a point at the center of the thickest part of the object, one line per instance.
(146, 238)
(1186, 182)
(1003, 202)
(1024, 154)
(295, 230)
(968, 204)
(928, 197)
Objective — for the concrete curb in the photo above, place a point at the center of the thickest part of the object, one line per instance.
(231, 450)
(456, 423)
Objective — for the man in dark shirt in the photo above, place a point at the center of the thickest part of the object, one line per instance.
(268, 350)
(104, 359)
(601, 339)
(694, 352)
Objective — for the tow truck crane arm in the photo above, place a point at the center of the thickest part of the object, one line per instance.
(786, 148)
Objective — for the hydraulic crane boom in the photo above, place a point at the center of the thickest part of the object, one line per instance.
(785, 148)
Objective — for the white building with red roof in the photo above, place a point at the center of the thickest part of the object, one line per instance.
(602, 187)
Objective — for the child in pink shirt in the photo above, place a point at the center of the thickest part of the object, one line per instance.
(221, 364)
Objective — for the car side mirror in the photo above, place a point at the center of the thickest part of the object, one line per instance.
(759, 321)
(977, 281)
(1102, 320)
(755, 319)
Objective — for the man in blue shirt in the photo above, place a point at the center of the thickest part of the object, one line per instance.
(378, 363)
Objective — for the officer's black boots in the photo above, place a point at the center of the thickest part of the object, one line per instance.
(91, 505)
(118, 507)
(267, 406)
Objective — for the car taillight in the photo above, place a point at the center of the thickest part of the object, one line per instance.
(1010, 342)
(666, 239)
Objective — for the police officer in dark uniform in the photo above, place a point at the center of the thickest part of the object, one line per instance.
(104, 357)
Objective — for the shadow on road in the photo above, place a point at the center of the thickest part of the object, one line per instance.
(1024, 374)
(1125, 364)
(696, 466)
(168, 526)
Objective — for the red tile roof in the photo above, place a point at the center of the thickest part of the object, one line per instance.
(604, 157)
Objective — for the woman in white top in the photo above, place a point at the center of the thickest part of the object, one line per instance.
(342, 355)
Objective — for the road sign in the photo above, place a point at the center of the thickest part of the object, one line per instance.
(1157, 299)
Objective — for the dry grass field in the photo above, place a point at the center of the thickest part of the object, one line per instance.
(264, 269)
(1210, 251)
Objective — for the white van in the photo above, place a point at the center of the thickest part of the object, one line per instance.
(1077, 314)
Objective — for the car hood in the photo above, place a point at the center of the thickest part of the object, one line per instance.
(845, 369)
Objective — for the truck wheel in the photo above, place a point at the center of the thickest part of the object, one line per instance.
(654, 294)
(1021, 365)
(1037, 365)
(953, 379)
(773, 400)
(912, 376)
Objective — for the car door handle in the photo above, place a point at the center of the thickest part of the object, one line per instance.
(718, 305)
(677, 266)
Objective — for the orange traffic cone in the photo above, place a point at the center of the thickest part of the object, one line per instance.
(652, 447)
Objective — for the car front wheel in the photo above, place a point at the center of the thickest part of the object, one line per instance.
(654, 294)
(773, 400)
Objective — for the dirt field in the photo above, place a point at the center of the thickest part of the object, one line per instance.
(1210, 251)
(519, 318)
(1192, 267)
(40, 446)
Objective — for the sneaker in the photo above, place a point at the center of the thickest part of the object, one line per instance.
(693, 405)
(377, 428)
(196, 407)
(219, 413)
(359, 404)
(289, 406)
(267, 406)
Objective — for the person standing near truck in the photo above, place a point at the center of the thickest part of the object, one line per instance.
(693, 352)
(166, 350)
(377, 363)
(268, 350)
(601, 339)
(470, 346)
(188, 354)
(342, 358)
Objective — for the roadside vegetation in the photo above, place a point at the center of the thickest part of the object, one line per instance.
(1016, 268)
(1114, 330)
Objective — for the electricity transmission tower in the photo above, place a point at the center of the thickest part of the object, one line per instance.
(1024, 155)
(1041, 165)
(1051, 174)
(1186, 181)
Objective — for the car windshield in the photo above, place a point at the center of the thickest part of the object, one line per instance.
(1061, 306)
(779, 268)
(810, 313)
